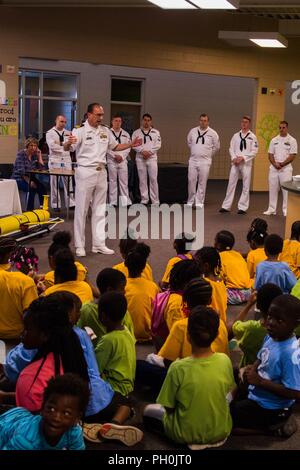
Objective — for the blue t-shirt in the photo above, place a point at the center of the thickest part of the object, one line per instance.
(101, 392)
(21, 430)
(277, 273)
(280, 363)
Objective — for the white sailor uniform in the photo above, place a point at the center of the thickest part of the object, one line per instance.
(203, 145)
(151, 142)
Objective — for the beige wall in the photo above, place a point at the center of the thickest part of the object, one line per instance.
(175, 100)
(152, 39)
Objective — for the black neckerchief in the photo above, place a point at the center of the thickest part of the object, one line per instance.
(243, 143)
(118, 138)
(146, 135)
(61, 137)
(201, 137)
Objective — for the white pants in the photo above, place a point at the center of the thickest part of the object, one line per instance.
(198, 173)
(148, 168)
(54, 163)
(91, 188)
(118, 171)
(243, 170)
(276, 177)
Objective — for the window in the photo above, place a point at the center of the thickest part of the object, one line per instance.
(126, 100)
(42, 96)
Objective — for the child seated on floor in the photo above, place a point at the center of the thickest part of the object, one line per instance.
(7, 248)
(127, 244)
(46, 309)
(153, 371)
(196, 292)
(168, 305)
(192, 406)
(65, 277)
(291, 250)
(250, 334)
(210, 266)
(115, 352)
(182, 253)
(139, 292)
(234, 269)
(108, 279)
(256, 237)
(274, 378)
(272, 270)
(17, 292)
(61, 240)
(56, 427)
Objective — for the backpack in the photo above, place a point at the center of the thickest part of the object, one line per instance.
(159, 326)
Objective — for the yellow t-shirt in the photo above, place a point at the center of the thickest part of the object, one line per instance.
(80, 288)
(291, 255)
(173, 310)
(146, 274)
(177, 345)
(253, 258)
(81, 275)
(140, 294)
(5, 267)
(17, 293)
(234, 272)
(219, 298)
(171, 263)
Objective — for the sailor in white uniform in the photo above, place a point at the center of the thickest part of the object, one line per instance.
(91, 142)
(146, 159)
(282, 151)
(204, 143)
(59, 159)
(117, 165)
(243, 149)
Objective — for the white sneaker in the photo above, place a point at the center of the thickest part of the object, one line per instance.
(268, 212)
(103, 250)
(80, 252)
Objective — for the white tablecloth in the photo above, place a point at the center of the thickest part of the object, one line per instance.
(9, 198)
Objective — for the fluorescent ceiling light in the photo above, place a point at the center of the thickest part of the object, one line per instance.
(262, 39)
(268, 42)
(217, 4)
(173, 4)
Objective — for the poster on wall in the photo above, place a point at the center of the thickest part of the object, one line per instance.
(8, 113)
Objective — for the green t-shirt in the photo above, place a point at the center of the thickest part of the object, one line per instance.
(296, 293)
(250, 336)
(116, 358)
(89, 317)
(196, 389)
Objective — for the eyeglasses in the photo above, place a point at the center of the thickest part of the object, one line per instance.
(98, 114)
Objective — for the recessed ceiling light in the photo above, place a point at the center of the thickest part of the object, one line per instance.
(268, 43)
(262, 38)
(217, 4)
(173, 4)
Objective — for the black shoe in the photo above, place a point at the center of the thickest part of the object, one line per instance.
(286, 429)
(241, 212)
(223, 210)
